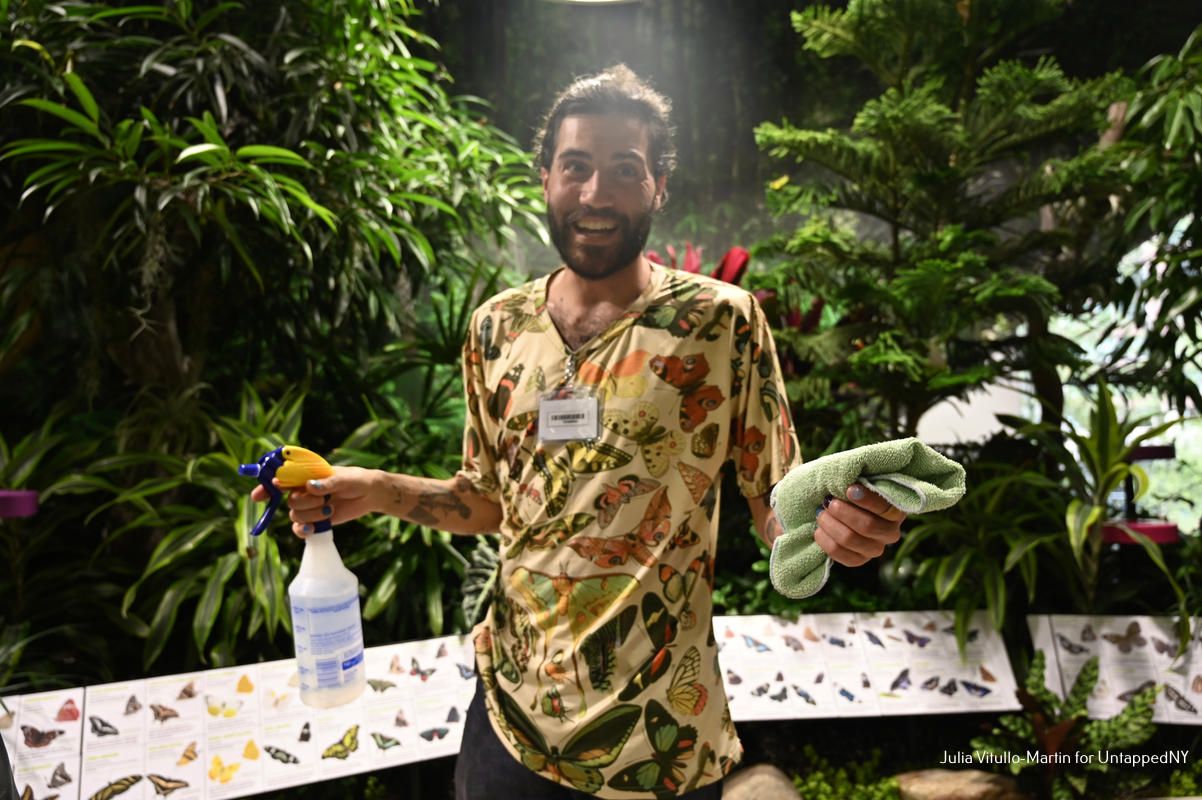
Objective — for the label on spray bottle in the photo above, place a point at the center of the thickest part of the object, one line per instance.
(329, 640)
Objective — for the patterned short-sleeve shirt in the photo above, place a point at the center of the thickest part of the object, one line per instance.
(597, 654)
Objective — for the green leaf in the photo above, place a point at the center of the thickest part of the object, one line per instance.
(84, 96)
(267, 154)
(950, 570)
(211, 596)
(200, 150)
(66, 114)
(164, 618)
(1080, 518)
(384, 592)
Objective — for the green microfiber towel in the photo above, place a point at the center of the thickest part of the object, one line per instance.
(906, 472)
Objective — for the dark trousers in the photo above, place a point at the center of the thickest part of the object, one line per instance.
(485, 770)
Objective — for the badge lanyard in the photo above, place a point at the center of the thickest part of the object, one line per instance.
(569, 412)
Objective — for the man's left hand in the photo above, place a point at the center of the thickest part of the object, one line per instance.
(856, 529)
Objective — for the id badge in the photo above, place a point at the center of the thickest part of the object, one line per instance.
(568, 414)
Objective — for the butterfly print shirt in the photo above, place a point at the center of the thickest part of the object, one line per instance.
(597, 654)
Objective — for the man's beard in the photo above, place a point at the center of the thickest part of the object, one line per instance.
(594, 262)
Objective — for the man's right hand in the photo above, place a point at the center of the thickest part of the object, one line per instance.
(348, 494)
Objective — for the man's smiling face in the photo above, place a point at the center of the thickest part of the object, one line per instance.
(600, 193)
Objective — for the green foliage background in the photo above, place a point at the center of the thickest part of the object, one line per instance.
(226, 226)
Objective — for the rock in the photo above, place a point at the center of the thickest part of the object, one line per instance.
(957, 784)
(761, 782)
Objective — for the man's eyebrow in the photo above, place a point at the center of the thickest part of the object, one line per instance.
(624, 155)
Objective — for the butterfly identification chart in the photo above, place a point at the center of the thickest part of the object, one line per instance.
(856, 665)
(238, 731)
(1133, 652)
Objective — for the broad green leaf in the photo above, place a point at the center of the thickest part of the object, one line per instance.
(209, 605)
(384, 592)
(37, 48)
(164, 618)
(1080, 518)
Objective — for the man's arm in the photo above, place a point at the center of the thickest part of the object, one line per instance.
(852, 531)
(452, 504)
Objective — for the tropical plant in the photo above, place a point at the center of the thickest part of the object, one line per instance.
(1157, 345)
(819, 779)
(975, 552)
(1096, 466)
(929, 233)
(1071, 755)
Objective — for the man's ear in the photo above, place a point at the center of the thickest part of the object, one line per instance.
(544, 176)
(661, 192)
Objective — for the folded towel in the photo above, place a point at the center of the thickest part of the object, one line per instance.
(907, 473)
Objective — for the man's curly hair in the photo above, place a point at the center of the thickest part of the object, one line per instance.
(617, 90)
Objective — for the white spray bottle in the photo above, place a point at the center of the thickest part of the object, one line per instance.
(327, 628)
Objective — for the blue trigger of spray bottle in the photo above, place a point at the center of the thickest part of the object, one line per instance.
(266, 469)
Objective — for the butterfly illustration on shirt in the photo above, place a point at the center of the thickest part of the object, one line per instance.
(681, 312)
(678, 587)
(687, 374)
(656, 444)
(613, 551)
(550, 534)
(705, 441)
(488, 348)
(578, 760)
(500, 401)
(661, 629)
(578, 458)
(695, 480)
(612, 498)
(625, 379)
(686, 694)
(672, 744)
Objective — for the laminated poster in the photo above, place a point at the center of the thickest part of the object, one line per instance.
(240, 731)
(1133, 652)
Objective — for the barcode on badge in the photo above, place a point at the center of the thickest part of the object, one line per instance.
(575, 416)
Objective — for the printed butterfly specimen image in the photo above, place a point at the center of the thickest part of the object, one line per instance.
(343, 748)
(466, 672)
(69, 712)
(595, 744)
(60, 777)
(188, 756)
(165, 786)
(1126, 641)
(732, 678)
(163, 713)
(949, 688)
(116, 787)
(384, 741)
(283, 756)
(132, 706)
(793, 643)
(188, 692)
(218, 707)
(416, 669)
(378, 685)
(1178, 700)
(304, 733)
(1069, 646)
(434, 733)
(251, 751)
(976, 690)
(902, 681)
(931, 683)
(915, 639)
(755, 644)
(221, 772)
(38, 738)
(1130, 693)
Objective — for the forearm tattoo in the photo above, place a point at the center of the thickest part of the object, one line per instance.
(436, 504)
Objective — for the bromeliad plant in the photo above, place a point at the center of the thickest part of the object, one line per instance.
(1069, 745)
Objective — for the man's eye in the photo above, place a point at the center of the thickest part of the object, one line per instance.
(628, 171)
(575, 168)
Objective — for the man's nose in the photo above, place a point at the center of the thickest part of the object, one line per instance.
(595, 191)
